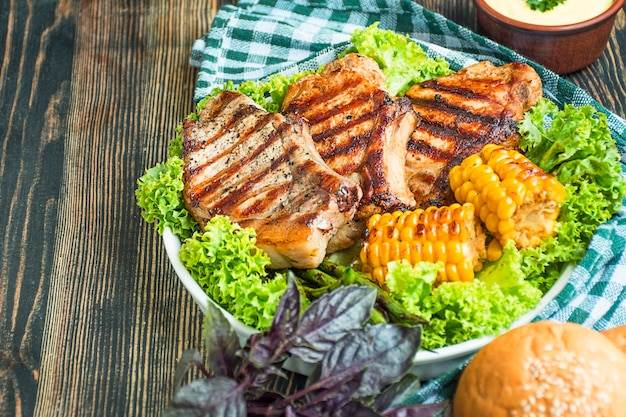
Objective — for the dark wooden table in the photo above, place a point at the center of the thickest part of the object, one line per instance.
(92, 316)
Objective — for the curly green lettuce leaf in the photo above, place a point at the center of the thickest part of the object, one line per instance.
(507, 271)
(576, 146)
(464, 311)
(175, 147)
(159, 194)
(225, 262)
(410, 284)
(461, 311)
(269, 93)
(403, 61)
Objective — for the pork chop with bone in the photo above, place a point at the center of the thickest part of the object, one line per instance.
(262, 171)
(358, 129)
(459, 114)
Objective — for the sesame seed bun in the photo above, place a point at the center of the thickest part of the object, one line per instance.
(544, 369)
(617, 336)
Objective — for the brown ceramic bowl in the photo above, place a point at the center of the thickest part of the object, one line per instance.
(563, 49)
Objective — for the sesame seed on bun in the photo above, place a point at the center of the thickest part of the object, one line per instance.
(546, 369)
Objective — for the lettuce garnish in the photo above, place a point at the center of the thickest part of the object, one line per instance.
(158, 193)
(225, 262)
(403, 61)
(268, 94)
(576, 146)
(460, 311)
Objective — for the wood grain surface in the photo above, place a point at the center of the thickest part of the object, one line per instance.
(92, 316)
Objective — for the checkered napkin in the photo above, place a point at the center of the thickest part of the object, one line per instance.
(260, 37)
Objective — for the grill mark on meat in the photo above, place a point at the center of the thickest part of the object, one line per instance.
(234, 197)
(238, 113)
(351, 110)
(440, 105)
(485, 129)
(321, 100)
(232, 170)
(341, 145)
(420, 146)
(457, 90)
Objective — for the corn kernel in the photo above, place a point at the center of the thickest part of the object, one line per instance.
(428, 253)
(506, 226)
(506, 208)
(491, 222)
(454, 252)
(456, 177)
(379, 275)
(494, 250)
(470, 163)
(514, 189)
(513, 197)
(439, 251)
(452, 274)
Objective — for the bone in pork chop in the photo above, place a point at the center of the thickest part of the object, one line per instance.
(262, 171)
(459, 114)
(358, 129)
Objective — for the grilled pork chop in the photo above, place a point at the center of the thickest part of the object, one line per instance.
(459, 114)
(358, 129)
(262, 170)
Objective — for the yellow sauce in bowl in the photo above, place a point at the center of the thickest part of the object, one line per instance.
(569, 12)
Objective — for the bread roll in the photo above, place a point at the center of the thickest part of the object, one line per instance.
(544, 369)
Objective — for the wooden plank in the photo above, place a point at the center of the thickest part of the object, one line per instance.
(36, 44)
(117, 317)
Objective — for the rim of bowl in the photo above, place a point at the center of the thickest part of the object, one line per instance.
(612, 10)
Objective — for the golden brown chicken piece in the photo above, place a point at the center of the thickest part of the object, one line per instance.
(358, 129)
(262, 171)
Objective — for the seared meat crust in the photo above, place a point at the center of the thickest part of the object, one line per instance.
(459, 114)
(262, 171)
(358, 129)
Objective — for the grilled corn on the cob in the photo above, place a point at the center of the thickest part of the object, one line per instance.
(513, 197)
(450, 235)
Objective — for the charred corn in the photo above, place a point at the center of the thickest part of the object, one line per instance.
(450, 235)
(513, 197)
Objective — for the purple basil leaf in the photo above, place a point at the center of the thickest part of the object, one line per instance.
(397, 393)
(216, 397)
(418, 410)
(191, 358)
(331, 393)
(265, 349)
(287, 313)
(331, 317)
(221, 343)
(384, 351)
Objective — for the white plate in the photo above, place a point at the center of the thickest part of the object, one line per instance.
(428, 364)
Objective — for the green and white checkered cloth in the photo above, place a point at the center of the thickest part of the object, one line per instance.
(258, 38)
